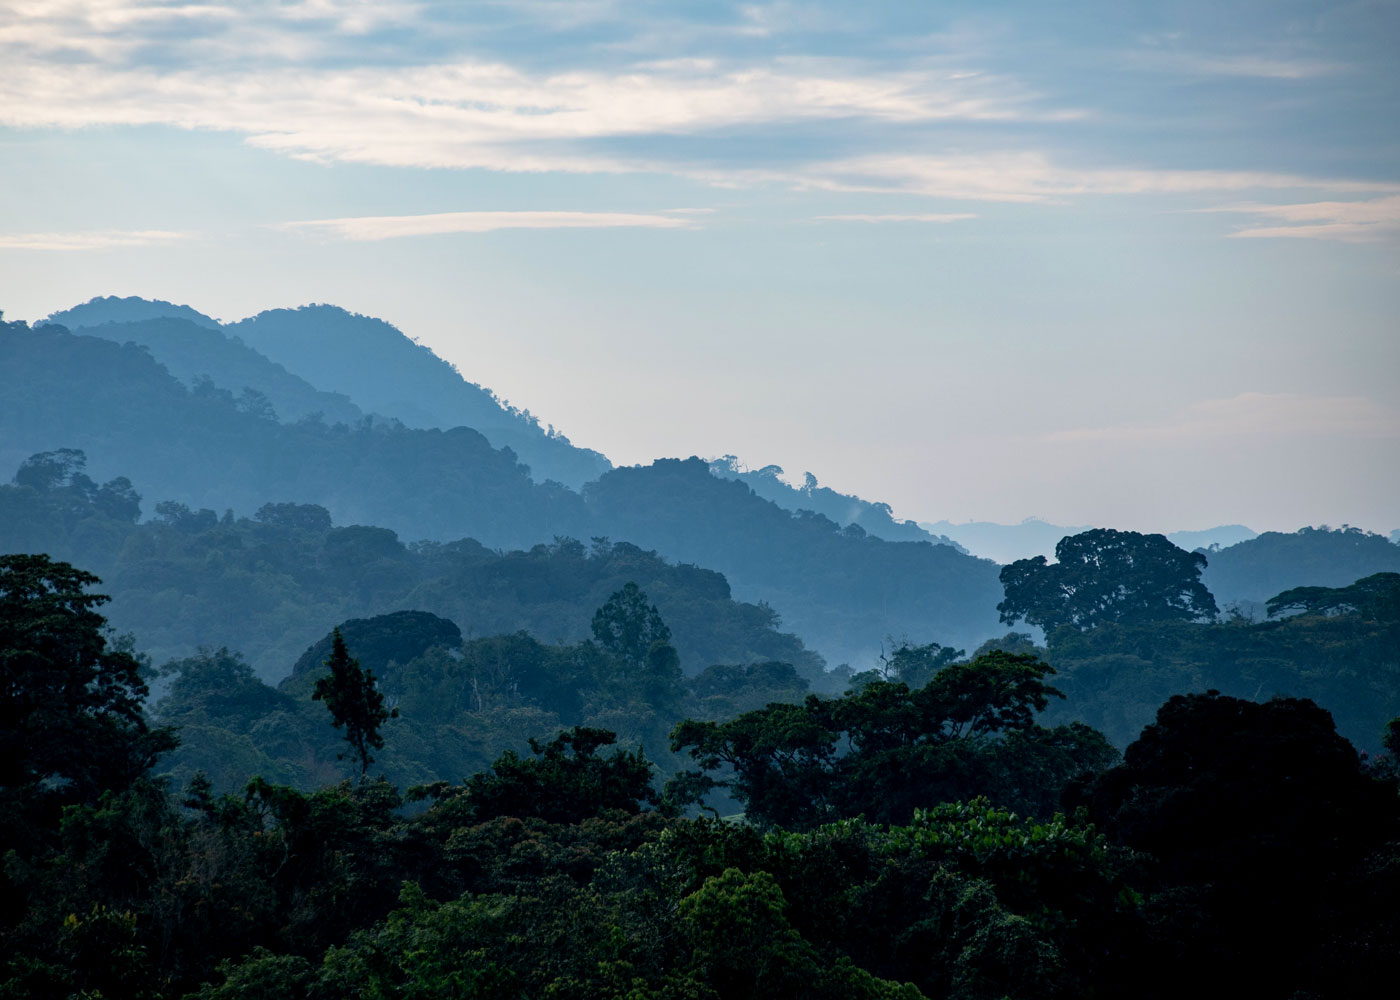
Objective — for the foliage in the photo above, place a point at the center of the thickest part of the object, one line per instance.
(1115, 676)
(355, 702)
(565, 782)
(1374, 598)
(71, 724)
(1104, 576)
(1231, 830)
(273, 585)
(1260, 809)
(883, 751)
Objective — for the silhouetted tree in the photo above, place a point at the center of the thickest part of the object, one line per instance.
(71, 725)
(1104, 576)
(355, 703)
(1374, 597)
(626, 626)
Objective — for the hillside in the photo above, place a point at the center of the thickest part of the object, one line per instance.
(358, 363)
(193, 352)
(268, 586)
(841, 589)
(132, 309)
(1257, 569)
(205, 448)
(383, 370)
(842, 508)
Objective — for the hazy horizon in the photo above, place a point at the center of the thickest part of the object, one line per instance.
(1126, 265)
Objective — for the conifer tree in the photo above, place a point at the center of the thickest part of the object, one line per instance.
(355, 703)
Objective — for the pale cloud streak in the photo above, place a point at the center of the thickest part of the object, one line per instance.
(384, 227)
(480, 114)
(97, 239)
(1363, 221)
(1024, 176)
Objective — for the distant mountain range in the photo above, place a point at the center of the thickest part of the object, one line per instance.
(359, 366)
(321, 406)
(194, 416)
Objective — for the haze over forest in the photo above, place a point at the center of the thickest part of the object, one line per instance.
(667, 502)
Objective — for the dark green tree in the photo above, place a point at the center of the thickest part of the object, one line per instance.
(632, 632)
(627, 625)
(1105, 576)
(883, 751)
(1252, 815)
(1376, 597)
(355, 703)
(71, 724)
(566, 781)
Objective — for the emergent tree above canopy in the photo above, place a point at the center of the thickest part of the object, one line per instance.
(1104, 575)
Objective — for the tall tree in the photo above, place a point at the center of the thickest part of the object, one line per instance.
(1104, 576)
(631, 629)
(627, 625)
(355, 702)
(71, 724)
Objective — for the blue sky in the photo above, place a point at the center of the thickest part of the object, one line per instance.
(1118, 263)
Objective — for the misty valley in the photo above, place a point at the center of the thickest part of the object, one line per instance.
(329, 673)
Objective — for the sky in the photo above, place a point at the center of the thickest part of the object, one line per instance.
(1116, 263)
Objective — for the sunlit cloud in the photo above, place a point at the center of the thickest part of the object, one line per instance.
(1363, 221)
(417, 85)
(385, 227)
(300, 79)
(1249, 414)
(95, 239)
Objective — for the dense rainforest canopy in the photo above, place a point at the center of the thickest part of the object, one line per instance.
(564, 870)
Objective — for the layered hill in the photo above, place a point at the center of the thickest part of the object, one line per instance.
(131, 309)
(385, 371)
(204, 447)
(272, 584)
(1253, 571)
(195, 352)
(360, 365)
(848, 587)
(843, 508)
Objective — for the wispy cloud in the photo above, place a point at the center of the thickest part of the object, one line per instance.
(385, 227)
(373, 82)
(1249, 414)
(95, 239)
(1026, 176)
(408, 84)
(1363, 221)
(923, 217)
